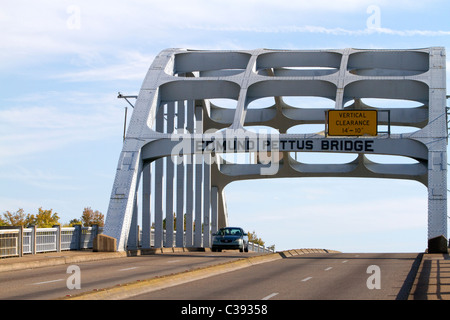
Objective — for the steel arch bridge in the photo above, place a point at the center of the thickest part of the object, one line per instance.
(183, 131)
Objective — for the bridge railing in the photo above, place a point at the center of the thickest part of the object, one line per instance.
(17, 241)
(251, 245)
(9, 242)
(259, 248)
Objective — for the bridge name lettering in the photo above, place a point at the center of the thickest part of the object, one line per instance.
(258, 145)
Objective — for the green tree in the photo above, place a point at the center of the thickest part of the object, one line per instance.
(44, 218)
(74, 222)
(91, 217)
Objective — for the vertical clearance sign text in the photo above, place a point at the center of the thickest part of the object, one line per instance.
(352, 122)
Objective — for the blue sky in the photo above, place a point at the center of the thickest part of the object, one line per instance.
(63, 62)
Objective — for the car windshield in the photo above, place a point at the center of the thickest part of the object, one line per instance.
(229, 232)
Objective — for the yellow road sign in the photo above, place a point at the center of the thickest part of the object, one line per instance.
(352, 122)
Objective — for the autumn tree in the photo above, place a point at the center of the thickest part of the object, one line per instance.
(18, 218)
(2, 222)
(44, 218)
(253, 237)
(74, 222)
(91, 217)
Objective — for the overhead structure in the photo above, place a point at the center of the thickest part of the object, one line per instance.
(196, 113)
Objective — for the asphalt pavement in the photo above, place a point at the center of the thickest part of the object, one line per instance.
(429, 272)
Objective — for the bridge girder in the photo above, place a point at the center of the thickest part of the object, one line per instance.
(177, 117)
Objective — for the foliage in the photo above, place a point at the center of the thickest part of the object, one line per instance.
(74, 222)
(18, 218)
(174, 223)
(253, 237)
(44, 219)
(48, 218)
(91, 217)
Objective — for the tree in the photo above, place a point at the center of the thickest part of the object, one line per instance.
(91, 217)
(2, 222)
(253, 237)
(74, 222)
(44, 218)
(18, 218)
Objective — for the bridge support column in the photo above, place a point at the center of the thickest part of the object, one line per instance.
(190, 178)
(206, 200)
(179, 242)
(222, 220)
(198, 182)
(159, 175)
(133, 235)
(169, 180)
(214, 209)
(146, 202)
(437, 201)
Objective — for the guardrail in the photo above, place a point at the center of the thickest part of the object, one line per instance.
(17, 241)
(251, 245)
(258, 248)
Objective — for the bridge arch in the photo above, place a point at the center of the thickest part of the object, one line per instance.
(179, 133)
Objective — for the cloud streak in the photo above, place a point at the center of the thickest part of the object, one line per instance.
(40, 127)
(132, 66)
(323, 30)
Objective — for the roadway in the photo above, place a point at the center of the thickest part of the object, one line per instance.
(318, 276)
(50, 282)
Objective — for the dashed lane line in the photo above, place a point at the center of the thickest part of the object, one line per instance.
(270, 296)
(126, 269)
(50, 281)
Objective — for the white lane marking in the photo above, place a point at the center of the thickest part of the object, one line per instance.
(50, 281)
(306, 279)
(173, 261)
(344, 261)
(329, 268)
(126, 269)
(270, 296)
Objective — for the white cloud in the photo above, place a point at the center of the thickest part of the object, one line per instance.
(39, 31)
(39, 126)
(132, 66)
(39, 178)
(323, 30)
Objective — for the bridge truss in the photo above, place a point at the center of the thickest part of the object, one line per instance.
(183, 131)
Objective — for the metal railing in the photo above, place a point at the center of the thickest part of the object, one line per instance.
(17, 241)
(251, 245)
(9, 242)
(258, 248)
